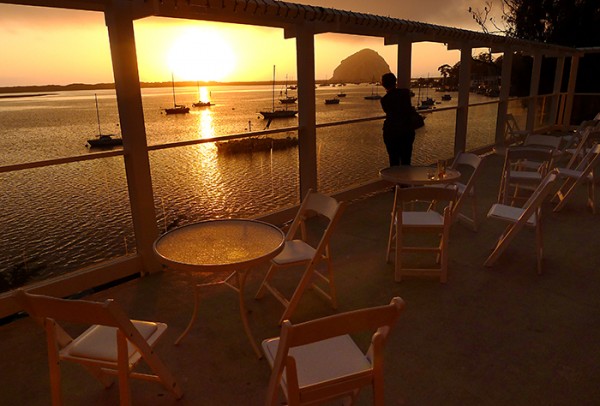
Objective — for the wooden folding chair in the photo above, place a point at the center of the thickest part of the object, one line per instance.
(112, 346)
(519, 217)
(317, 361)
(513, 134)
(469, 165)
(572, 139)
(584, 172)
(516, 177)
(415, 221)
(551, 142)
(303, 251)
(589, 137)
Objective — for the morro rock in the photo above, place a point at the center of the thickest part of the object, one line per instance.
(364, 66)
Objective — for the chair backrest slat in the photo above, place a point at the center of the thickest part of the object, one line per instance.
(73, 311)
(345, 323)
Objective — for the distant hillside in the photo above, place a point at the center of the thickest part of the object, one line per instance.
(97, 86)
(364, 66)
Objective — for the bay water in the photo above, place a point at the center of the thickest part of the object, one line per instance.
(59, 218)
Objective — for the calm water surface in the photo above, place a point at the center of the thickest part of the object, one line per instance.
(59, 218)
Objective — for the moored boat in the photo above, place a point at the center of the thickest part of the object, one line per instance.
(105, 141)
(177, 108)
(255, 144)
(200, 103)
(278, 113)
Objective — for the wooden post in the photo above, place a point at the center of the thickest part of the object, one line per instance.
(119, 20)
(307, 120)
(534, 91)
(462, 110)
(505, 81)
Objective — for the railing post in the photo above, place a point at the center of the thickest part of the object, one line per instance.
(571, 91)
(307, 133)
(462, 110)
(507, 61)
(534, 91)
(558, 75)
(119, 20)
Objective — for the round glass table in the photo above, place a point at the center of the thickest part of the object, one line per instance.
(226, 245)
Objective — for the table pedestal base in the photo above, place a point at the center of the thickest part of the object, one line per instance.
(239, 281)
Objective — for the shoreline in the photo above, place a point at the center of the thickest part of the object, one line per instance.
(108, 86)
(16, 96)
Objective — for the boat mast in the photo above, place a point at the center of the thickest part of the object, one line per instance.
(273, 87)
(173, 86)
(97, 114)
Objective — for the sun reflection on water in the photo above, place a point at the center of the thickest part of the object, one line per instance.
(206, 128)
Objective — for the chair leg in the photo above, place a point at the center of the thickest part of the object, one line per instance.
(398, 255)
(539, 246)
(267, 279)
(295, 299)
(123, 370)
(564, 193)
(391, 237)
(592, 195)
(507, 236)
(53, 362)
(444, 256)
(474, 212)
(331, 281)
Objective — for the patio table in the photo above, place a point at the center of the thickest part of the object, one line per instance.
(230, 246)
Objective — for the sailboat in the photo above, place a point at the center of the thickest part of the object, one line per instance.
(428, 101)
(287, 99)
(201, 103)
(374, 96)
(177, 108)
(278, 113)
(103, 140)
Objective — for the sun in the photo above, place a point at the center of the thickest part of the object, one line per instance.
(201, 55)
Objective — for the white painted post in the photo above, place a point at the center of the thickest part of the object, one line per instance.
(462, 111)
(119, 21)
(505, 82)
(307, 119)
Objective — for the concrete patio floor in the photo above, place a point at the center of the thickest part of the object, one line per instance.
(490, 336)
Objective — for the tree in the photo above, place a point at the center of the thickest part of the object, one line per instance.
(572, 23)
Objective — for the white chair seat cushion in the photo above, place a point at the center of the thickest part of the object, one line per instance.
(323, 360)
(532, 176)
(100, 342)
(572, 173)
(509, 213)
(422, 218)
(460, 187)
(294, 251)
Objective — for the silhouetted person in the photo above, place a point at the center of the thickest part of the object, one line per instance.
(398, 133)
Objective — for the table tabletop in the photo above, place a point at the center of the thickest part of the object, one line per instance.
(418, 175)
(219, 245)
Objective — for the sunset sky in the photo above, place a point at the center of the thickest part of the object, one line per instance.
(52, 46)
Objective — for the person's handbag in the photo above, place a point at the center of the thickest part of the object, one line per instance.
(416, 120)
